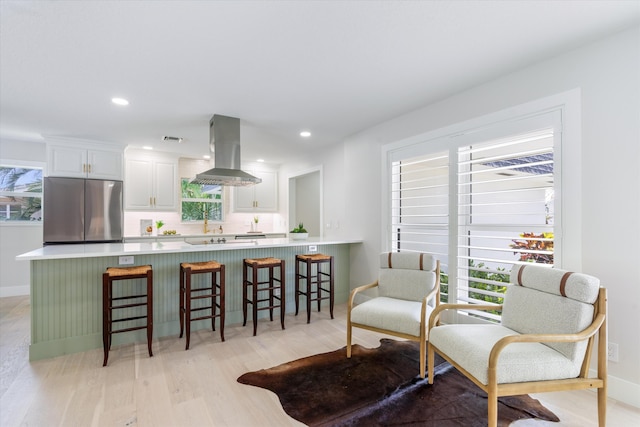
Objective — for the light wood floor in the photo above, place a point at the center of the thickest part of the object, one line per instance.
(196, 387)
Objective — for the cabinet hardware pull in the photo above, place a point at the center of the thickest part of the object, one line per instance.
(89, 167)
(150, 201)
(154, 201)
(84, 168)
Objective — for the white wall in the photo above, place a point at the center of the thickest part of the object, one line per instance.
(331, 160)
(608, 76)
(18, 239)
(307, 202)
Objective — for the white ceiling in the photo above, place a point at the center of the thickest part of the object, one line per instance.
(332, 67)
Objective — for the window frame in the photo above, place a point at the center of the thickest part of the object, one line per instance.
(211, 201)
(562, 111)
(30, 165)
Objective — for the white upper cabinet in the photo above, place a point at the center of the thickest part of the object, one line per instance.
(151, 182)
(76, 160)
(261, 197)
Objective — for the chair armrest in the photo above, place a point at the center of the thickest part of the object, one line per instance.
(431, 294)
(359, 289)
(435, 314)
(586, 333)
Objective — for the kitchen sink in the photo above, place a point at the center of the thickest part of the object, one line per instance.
(199, 242)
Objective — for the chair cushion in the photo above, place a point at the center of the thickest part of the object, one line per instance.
(528, 311)
(551, 300)
(577, 286)
(411, 285)
(406, 275)
(470, 346)
(408, 260)
(390, 314)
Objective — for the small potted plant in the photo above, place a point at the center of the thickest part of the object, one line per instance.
(159, 225)
(299, 233)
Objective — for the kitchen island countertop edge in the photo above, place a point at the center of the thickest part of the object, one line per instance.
(91, 250)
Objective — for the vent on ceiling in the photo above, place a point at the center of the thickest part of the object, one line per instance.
(172, 139)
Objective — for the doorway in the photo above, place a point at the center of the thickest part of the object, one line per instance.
(305, 201)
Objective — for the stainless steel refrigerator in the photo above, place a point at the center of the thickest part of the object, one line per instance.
(80, 210)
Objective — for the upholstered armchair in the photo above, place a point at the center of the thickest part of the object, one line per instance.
(550, 318)
(408, 289)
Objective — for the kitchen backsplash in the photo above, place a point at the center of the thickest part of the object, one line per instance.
(234, 223)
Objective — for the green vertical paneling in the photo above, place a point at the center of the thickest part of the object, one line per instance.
(66, 294)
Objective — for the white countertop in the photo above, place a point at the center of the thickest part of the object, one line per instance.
(117, 249)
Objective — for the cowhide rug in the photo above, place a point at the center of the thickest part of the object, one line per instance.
(381, 386)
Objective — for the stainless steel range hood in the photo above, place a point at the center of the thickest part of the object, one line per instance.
(224, 141)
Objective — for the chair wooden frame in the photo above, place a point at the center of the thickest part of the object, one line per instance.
(494, 389)
(422, 338)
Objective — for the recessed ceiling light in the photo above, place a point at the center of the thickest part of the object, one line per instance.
(119, 101)
(260, 160)
(206, 156)
(147, 147)
(305, 134)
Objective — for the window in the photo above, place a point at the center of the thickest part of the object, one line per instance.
(201, 201)
(20, 193)
(505, 213)
(480, 202)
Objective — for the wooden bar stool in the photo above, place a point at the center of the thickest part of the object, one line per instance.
(215, 293)
(111, 275)
(314, 280)
(271, 285)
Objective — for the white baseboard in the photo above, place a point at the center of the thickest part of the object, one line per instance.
(13, 291)
(622, 390)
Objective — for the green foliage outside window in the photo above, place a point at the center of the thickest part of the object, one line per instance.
(201, 201)
(529, 242)
(444, 287)
(479, 273)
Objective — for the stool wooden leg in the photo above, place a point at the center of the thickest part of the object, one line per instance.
(150, 311)
(187, 303)
(296, 291)
(105, 317)
(182, 297)
(282, 293)
(309, 284)
(222, 298)
(214, 290)
(331, 290)
(244, 294)
(319, 285)
(254, 304)
(271, 291)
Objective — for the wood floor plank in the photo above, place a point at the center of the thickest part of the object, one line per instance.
(197, 387)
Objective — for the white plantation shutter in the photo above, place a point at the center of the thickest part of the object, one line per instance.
(505, 191)
(420, 205)
(481, 202)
